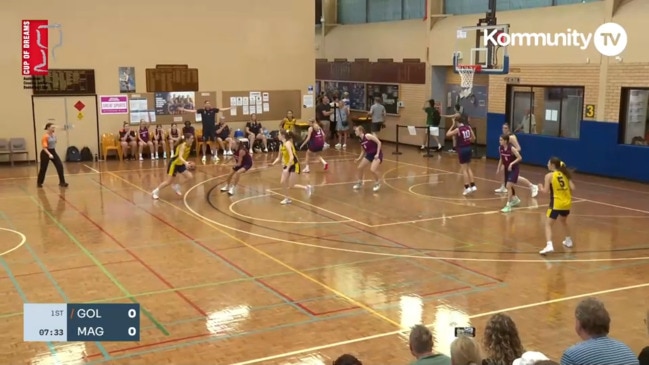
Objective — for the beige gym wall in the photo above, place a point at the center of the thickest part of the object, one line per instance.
(602, 77)
(236, 45)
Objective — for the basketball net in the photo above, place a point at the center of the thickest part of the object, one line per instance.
(466, 73)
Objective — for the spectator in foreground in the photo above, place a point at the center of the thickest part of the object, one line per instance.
(501, 341)
(644, 354)
(465, 351)
(592, 326)
(421, 347)
(347, 359)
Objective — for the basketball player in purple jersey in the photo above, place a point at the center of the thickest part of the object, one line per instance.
(463, 133)
(371, 155)
(509, 159)
(144, 139)
(316, 141)
(534, 189)
(243, 163)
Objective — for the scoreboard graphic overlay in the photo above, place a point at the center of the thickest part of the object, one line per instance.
(54, 322)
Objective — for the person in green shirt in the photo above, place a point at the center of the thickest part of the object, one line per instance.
(421, 347)
(433, 119)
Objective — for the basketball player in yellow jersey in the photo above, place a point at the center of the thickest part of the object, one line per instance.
(288, 155)
(558, 182)
(177, 165)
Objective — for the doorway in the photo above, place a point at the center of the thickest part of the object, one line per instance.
(79, 128)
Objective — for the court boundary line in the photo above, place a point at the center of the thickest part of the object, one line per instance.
(214, 224)
(342, 295)
(401, 332)
(233, 211)
(465, 197)
(23, 240)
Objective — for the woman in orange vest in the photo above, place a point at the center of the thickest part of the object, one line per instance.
(48, 143)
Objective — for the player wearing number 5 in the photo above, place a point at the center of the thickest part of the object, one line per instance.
(464, 136)
(558, 182)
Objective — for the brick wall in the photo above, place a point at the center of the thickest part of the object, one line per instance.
(622, 75)
(545, 75)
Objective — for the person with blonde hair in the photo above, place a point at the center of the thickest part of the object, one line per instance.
(465, 351)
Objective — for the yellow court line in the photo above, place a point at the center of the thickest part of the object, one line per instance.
(480, 315)
(467, 198)
(273, 258)
(233, 211)
(23, 239)
(422, 257)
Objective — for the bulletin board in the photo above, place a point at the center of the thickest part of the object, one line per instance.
(273, 104)
(162, 107)
(474, 106)
(357, 92)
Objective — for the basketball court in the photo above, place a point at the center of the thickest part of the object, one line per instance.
(245, 280)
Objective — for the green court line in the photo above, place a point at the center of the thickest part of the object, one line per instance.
(213, 284)
(100, 266)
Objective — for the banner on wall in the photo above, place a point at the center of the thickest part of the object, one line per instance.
(171, 103)
(126, 79)
(113, 104)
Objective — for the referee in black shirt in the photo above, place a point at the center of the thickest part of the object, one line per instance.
(208, 118)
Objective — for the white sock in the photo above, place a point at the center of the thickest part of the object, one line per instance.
(549, 244)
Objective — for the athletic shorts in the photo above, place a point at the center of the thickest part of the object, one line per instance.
(464, 154)
(376, 127)
(173, 169)
(313, 148)
(292, 169)
(209, 135)
(511, 176)
(372, 156)
(554, 213)
(244, 167)
(223, 136)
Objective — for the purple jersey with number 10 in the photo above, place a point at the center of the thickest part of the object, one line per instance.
(464, 136)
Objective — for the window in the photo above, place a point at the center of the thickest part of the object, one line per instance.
(372, 11)
(547, 110)
(634, 118)
(459, 7)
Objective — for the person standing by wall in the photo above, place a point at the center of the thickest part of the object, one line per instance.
(48, 153)
(322, 113)
(377, 112)
(433, 119)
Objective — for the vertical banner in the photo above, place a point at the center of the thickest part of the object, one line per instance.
(127, 79)
(34, 47)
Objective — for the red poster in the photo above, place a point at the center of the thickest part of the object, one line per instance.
(34, 47)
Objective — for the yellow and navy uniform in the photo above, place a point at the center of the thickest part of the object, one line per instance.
(176, 165)
(560, 196)
(288, 124)
(292, 166)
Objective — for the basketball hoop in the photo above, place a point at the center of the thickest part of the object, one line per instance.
(466, 73)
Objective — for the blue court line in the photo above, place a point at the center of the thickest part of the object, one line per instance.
(49, 276)
(208, 339)
(22, 295)
(220, 259)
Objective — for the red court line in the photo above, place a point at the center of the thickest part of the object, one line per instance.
(171, 341)
(68, 269)
(136, 257)
(447, 291)
(207, 248)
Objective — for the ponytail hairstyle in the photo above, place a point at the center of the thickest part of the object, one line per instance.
(561, 166)
(465, 351)
(360, 129)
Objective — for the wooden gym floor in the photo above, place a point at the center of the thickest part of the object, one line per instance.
(245, 280)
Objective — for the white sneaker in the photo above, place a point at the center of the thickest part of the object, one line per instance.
(231, 191)
(515, 201)
(548, 249)
(567, 243)
(423, 147)
(344, 146)
(306, 170)
(164, 155)
(215, 159)
(156, 156)
(501, 190)
(337, 146)
(176, 188)
(286, 201)
(467, 191)
(229, 153)
(155, 193)
(377, 187)
(473, 188)
(357, 186)
(535, 191)
(251, 151)
(141, 158)
(225, 188)
(265, 150)
(204, 159)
